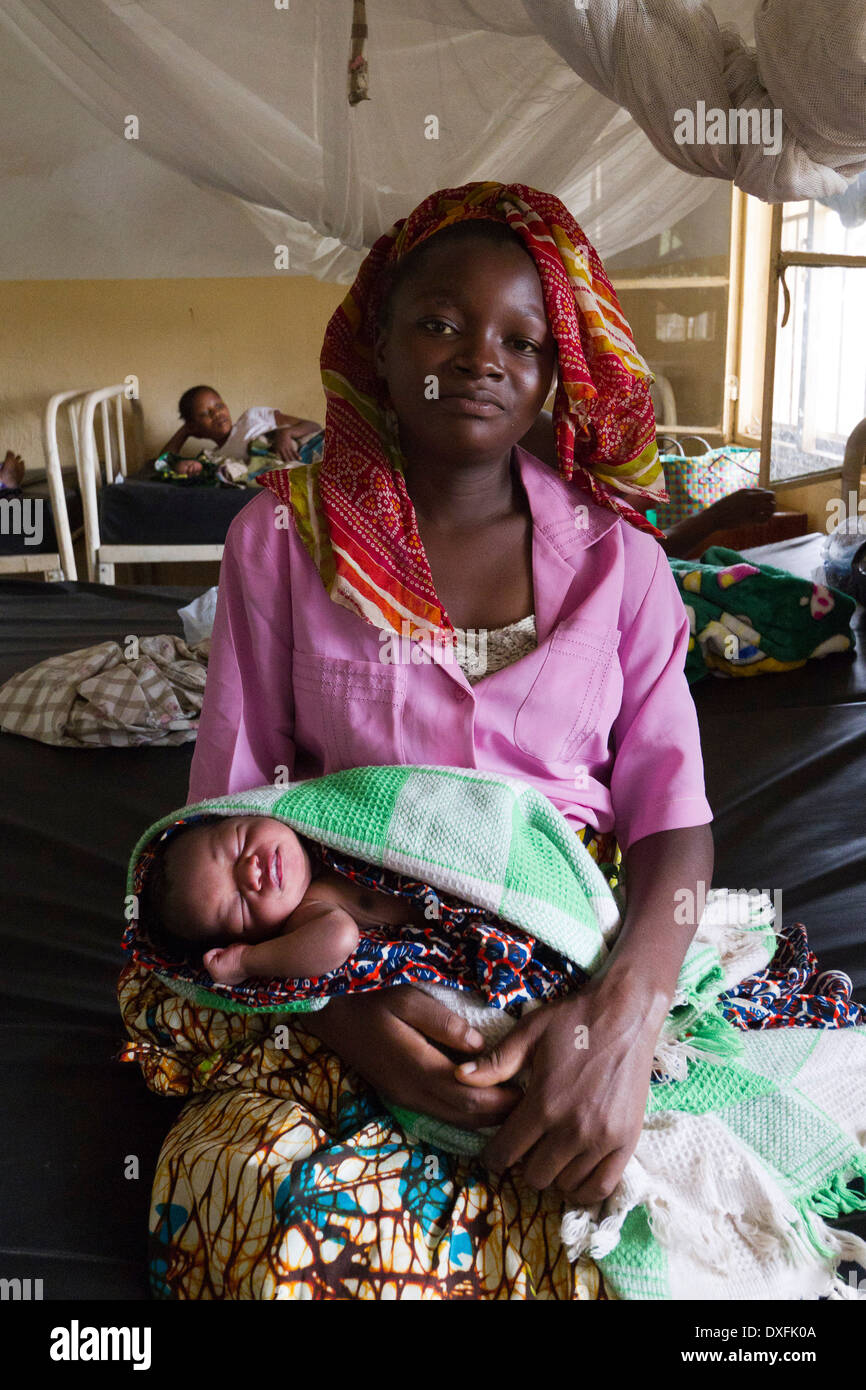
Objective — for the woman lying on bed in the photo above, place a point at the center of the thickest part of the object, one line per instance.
(205, 415)
(425, 517)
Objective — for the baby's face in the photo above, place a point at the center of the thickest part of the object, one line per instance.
(237, 879)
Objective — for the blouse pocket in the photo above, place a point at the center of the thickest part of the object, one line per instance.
(350, 712)
(565, 702)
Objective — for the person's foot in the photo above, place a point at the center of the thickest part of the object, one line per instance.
(746, 507)
(11, 470)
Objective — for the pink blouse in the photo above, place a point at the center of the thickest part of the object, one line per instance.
(598, 716)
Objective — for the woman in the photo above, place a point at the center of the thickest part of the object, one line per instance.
(424, 516)
(205, 415)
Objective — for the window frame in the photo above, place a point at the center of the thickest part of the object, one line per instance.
(659, 281)
(755, 380)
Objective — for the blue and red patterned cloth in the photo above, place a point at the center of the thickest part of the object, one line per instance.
(466, 947)
(460, 946)
(793, 992)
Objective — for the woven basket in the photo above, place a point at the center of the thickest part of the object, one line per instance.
(694, 481)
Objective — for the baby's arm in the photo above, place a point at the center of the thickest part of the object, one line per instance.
(317, 938)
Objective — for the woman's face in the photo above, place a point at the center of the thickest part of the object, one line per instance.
(467, 354)
(209, 417)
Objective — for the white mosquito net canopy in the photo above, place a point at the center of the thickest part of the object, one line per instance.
(583, 98)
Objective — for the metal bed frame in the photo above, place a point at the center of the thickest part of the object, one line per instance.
(101, 559)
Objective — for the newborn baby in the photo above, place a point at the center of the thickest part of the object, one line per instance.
(247, 891)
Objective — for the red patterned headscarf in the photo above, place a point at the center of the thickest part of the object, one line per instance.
(352, 508)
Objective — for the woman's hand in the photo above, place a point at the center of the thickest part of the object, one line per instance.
(284, 444)
(290, 430)
(589, 1060)
(389, 1036)
(744, 507)
(12, 470)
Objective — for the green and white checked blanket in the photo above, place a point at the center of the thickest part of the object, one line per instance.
(753, 1140)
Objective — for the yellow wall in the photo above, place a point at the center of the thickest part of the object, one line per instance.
(812, 498)
(256, 340)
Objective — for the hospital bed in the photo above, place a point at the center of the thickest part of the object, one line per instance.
(58, 496)
(93, 486)
(132, 516)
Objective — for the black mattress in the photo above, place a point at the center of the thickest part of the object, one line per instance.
(69, 818)
(37, 492)
(784, 760)
(145, 511)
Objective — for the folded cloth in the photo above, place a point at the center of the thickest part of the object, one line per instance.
(198, 617)
(750, 1140)
(149, 691)
(748, 619)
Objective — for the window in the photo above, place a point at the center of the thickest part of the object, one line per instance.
(675, 293)
(801, 362)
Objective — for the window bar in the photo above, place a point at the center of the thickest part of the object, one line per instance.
(770, 344)
(735, 311)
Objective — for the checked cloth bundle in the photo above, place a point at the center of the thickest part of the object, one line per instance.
(148, 692)
(751, 1141)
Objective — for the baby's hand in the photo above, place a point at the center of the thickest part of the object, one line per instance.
(224, 964)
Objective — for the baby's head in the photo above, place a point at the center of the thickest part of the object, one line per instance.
(206, 414)
(222, 880)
